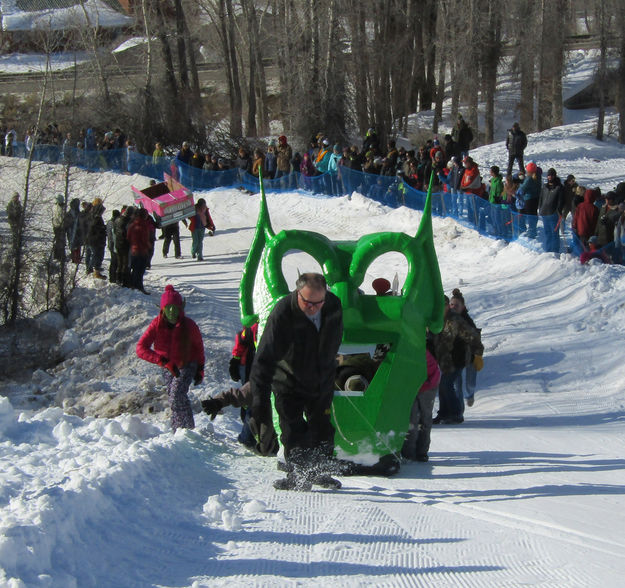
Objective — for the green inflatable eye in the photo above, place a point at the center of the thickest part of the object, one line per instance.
(373, 419)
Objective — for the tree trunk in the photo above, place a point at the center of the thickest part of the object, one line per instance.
(195, 79)
(144, 143)
(360, 65)
(170, 76)
(526, 57)
(491, 52)
(259, 84)
(418, 60)
(551, 56)
(181, 46)
(226, 22)
(333, 87)
(251, 97)
(557, 117)
(280, 11)
(620, 89)
(94, 47)
(472, 85)
(15, 287)
(429, 45)
(440, 92)
(601, 77)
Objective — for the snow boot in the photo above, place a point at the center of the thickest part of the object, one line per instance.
(326, 481)
(97, 274)
(387, 465)
(293, 481)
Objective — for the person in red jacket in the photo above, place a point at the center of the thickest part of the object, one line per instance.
(243, 354)
(586, 215)
(417, 441)
(239, 368)
(139, 237)
(471, 183)
(174, 342)
(471, 180)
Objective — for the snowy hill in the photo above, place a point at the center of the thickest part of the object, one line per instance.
(529, 490)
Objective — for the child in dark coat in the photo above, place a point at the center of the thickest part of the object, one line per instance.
(417, 441)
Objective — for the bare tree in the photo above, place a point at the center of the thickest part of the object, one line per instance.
(601, 77)
(234, 85)
(551, 56)
(91, 34)
(620, 78)
(524, 33)
(257, 94)
(491, 54)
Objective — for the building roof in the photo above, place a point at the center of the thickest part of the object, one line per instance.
(29, 15)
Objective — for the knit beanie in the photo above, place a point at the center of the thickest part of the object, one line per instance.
(170, 296)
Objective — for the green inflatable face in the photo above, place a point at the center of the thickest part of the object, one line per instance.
(374, 421)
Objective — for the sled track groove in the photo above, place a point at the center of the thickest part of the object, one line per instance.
(527, 560)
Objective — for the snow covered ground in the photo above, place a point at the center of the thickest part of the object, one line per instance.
(95, 490)
(529, 490)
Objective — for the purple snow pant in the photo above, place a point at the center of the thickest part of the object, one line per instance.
(179, 403)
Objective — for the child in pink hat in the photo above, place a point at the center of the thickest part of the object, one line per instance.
(174, 342)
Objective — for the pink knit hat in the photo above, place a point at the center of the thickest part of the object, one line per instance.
(170, 296)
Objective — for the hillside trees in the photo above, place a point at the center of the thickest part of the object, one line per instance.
(341, 67)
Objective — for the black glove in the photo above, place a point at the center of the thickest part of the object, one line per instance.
(199, 376)
(211, 407)
(266, 438)
(233, 368)
(173, 369)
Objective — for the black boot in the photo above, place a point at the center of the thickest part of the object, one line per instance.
(293, 481)
(326, 481)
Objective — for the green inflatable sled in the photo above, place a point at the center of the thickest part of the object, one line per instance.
(374, 420)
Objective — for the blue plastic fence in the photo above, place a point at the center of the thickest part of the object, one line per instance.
(495, 220)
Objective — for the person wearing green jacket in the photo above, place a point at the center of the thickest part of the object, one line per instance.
(496, 186)
(495, 197)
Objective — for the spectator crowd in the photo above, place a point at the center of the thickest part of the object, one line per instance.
(506, 206)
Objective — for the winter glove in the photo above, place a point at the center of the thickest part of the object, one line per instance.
(211, 407)
(199, 376)
(478, 362)
(233, 368)
(163, 361)
(173, 369)
(266, 438)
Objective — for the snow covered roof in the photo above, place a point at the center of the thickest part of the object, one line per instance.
(29, 15)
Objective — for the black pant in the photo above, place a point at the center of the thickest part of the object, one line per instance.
(417, 443)
(305, 439)
(138, 263)
(113, 266)
(511, 158)
(59, 243)
(171, 233)
(123, 267)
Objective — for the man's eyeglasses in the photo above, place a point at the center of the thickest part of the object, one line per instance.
(311, 303)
